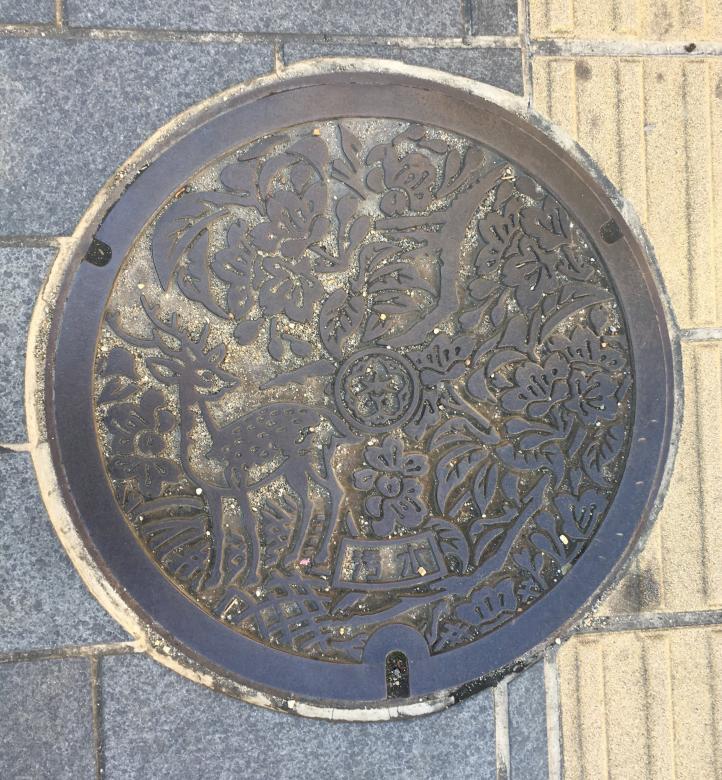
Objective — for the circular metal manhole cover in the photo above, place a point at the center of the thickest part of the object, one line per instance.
(362, 389)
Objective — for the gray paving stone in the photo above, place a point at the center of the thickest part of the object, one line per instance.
(25, 11)
(43, 602)
(158, 724)
(72, 111)
(21, 275)
(46, 721)
(494, 17)
(371, 17)
(499, 67)
(527, 725)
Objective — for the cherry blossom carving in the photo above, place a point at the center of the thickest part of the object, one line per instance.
(394, 491)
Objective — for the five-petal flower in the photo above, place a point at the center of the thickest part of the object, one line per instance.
(394, 498)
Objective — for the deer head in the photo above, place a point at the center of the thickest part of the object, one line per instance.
(185, 362)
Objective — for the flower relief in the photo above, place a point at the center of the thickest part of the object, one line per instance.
(138, 438)
(393, 490)
(137, 429)
(407, 183)
(580, 373)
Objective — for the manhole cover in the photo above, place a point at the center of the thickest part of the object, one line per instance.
(360, 389)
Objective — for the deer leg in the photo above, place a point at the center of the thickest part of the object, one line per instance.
(227, 563)
(300, 486)
(251, 535)
(214, 577)
(333, 489)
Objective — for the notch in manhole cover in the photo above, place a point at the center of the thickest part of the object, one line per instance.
(360, 408)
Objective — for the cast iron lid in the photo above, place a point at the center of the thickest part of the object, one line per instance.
(360, 390)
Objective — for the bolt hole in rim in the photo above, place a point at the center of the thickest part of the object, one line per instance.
(87, 489)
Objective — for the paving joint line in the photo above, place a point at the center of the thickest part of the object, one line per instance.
(537, 46)
(701, 334)
(648, 702)
(29, 241)
(209, 36)
(524, 22)
(6, 449)
(553, 713)
(278, 54)
(699, 450)
(60, 14)
(467, 18)
(651, 621)
(96, 703)
(549, 47)
(686, 188)
(501, 729)
(71, 651)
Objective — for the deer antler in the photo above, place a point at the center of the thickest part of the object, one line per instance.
(202, 341)
(112, 319)
(187, 345)
(197, 346)
(170, 328)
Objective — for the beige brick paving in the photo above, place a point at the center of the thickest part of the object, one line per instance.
(648, 703)
(693, 20)
(654, 125)
(642, 705)
(679, 568)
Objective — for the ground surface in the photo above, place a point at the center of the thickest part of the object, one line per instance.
(637, 693)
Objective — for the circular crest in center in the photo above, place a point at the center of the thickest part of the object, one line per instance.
(377, 389)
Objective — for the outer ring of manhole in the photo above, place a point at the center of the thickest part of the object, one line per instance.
(194, 639)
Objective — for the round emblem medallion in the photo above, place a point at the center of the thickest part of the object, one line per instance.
(359, 368)
(376, 390)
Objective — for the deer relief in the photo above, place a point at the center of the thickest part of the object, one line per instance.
(281, 435)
